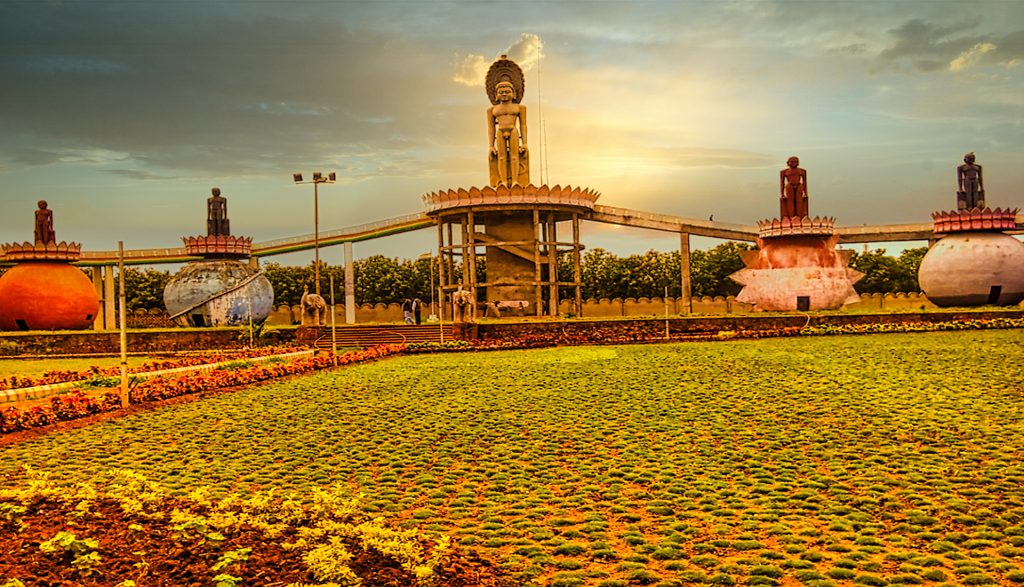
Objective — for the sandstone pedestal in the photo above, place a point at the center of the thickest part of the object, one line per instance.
(43, 291)
(974, 263)
(796, 267)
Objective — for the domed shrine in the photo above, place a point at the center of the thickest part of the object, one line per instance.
(511, 224)
(221, 289)
(43, 291)
(796, 265)
(974, 262)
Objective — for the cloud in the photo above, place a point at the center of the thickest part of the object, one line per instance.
(929, 47)
(970, 57)
(470, 70)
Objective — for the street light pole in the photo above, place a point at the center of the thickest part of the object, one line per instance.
(318, 178)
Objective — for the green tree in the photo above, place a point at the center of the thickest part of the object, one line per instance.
(910, 263)
(601, 274)
(885, 274)
(144, 288)
(381, 279)
(710, 270)
(288, 282)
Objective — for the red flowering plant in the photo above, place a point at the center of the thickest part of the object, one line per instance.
(76, 404)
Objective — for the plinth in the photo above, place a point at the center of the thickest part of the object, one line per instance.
(974, 263)
(796, 267)
(43, 291)
(220, 290)
(517, 229)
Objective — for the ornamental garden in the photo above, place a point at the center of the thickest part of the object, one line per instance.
(796, 445)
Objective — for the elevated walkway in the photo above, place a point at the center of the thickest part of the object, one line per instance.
(605, 214)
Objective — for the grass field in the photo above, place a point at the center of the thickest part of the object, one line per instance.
(38, 367)
(865, 460)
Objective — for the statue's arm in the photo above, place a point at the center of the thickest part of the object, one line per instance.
(522, 123)
(981, 184)
(959, 178)
(782, 183)
(804, 176)
(490, 128)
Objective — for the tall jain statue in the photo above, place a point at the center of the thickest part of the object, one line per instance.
(509, 160)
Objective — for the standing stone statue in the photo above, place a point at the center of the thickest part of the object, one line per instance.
(793, 190)
(970, 191)
(44, 224)
(506, 125)
(217, 223)
(462, 306)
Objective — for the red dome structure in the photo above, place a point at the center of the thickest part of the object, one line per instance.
(39, 295)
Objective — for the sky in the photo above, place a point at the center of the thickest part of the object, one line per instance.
(123, 114)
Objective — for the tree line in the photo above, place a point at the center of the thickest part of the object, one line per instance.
(381, 279)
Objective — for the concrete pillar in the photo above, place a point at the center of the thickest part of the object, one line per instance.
(97, 282)
(109, 299)
(685, 299)
(350, 284)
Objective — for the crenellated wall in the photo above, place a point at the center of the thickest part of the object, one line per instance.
(606, 308)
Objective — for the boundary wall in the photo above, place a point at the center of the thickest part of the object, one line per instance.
(284, 315)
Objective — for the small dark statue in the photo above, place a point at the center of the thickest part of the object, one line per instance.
(217, 223)
(970, 191)
(44, 224)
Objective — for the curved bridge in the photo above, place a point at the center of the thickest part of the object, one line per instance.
(605, 214)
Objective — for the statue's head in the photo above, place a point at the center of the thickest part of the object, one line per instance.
(42, 204)
(969, 158)
(215, 191)
(505, 90)
(793, 161)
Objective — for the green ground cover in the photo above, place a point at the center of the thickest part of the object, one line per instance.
(867, 460)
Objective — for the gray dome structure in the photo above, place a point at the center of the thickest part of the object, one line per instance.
(218, 292)
(974, 269)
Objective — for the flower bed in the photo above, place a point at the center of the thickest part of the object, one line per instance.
(52, 377)
(76, 404)
(123, 529)
(653, 333)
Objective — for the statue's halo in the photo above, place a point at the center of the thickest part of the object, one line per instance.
(505, 70)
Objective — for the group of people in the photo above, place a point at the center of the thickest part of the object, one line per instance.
(411, 309)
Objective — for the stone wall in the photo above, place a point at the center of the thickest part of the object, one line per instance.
(604, 308)
(142, 341)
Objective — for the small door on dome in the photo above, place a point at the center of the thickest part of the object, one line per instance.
(803, 303)
(993, 294)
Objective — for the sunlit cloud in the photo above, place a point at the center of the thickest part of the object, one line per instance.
(970, 57)
(470, 70)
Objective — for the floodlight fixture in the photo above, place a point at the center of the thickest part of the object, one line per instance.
(297, 177)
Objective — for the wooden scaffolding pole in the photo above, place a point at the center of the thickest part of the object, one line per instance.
(440, 266)
(577, 265)
(470, 257)
(539, 298)
(552, 247)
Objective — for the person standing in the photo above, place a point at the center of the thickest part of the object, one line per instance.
(407, 310)
(417, 307)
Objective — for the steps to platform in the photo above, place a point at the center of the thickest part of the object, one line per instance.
(364, 336)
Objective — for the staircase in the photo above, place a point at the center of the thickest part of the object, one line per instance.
(370, 335)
